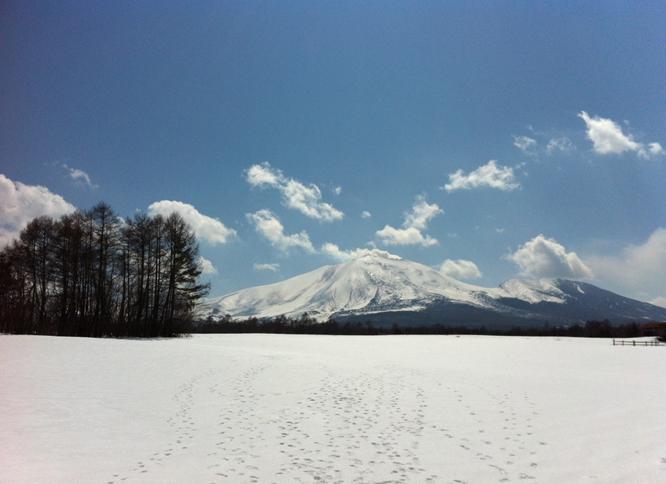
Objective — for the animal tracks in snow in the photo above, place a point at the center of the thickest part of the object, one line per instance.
(304, 409)
(383, 425)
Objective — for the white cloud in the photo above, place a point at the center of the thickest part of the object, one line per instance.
(365, 214)
(206, 228)
(562, 144)
(271, 267)
(332, 250)
(337, 190)
(408, 236)
(460, 269)
(525, 144)
(20, 203)
(637, 271)
(659, 301)
(337, 253)
(608, 138)
(269, 226)
(296, 195)
(79, 176)
(488, 175)
(422, 213)
(655, 149)
(544, 258)
(416, 221)
(206, 266)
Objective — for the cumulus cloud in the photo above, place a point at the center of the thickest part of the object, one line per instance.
(206, 266)
(562, 144)
(337, 190)
(542, 257)
(608, 138)
(406, 236)
(460, 269)
(416, 221)
(208, 229)
(655, 149)
(79, 176)
(332, 250)
(365, 214)
(335, 252)
(270, 227)
(270, 267)
(306, 198)
(422, 213)
(489, 175)
(20, 203)
(638, 271)
(525, 144)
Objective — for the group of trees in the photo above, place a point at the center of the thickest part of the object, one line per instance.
(307, 325)
(92, 273)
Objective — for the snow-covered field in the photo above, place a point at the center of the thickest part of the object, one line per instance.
(283, 408)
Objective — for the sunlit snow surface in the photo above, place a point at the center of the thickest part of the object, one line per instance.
(289, 408)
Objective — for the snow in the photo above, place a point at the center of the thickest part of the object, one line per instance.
(375, 281)
(301, 408)
(532, 291)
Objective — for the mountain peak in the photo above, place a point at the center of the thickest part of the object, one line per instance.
(370, 254)
(373, 283)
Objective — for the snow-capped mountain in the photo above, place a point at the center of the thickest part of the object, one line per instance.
(384, 288)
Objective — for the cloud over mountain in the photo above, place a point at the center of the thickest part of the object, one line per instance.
(639, 269)
(416, 222)
(335, 252)
(269, 226)
(460, 269)
(306, 198)
(542, 257)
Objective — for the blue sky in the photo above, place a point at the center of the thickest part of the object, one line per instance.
(176, 101)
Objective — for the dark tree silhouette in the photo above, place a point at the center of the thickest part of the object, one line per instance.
(93, 274)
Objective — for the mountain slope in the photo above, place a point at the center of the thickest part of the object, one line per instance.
(373, 281)
(384, 288)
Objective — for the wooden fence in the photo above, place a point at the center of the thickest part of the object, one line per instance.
(632, 342)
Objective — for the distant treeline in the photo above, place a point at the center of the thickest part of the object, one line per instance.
(92, 273)
(305, 325)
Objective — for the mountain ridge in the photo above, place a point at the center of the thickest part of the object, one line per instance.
(383, 288)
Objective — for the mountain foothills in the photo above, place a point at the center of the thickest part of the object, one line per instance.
(383, 288)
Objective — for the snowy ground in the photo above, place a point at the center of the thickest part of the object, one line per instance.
(279, 408)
